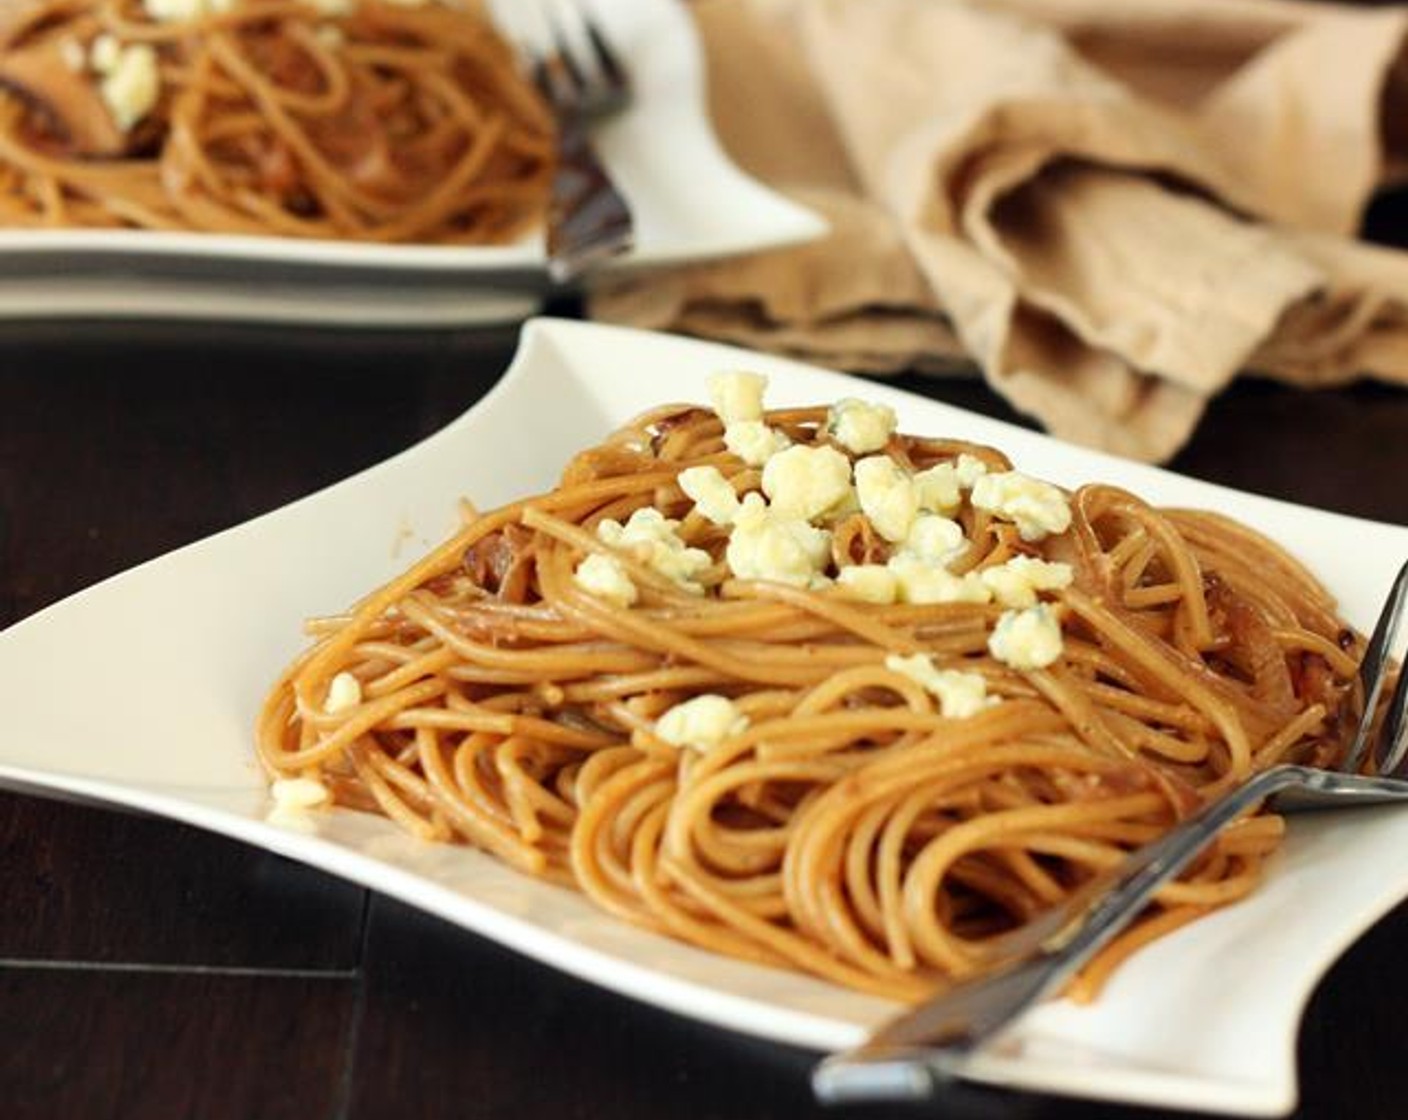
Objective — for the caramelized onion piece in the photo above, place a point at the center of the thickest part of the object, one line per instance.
(69, 101)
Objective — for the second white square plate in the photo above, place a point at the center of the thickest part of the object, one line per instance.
(689, 200)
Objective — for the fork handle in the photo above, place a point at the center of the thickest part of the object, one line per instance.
(909, 1055)
(588, 219)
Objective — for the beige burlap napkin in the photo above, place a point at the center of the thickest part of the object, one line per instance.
(1111, 206)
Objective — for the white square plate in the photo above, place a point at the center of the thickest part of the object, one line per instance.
(689, 200)
(142, 691)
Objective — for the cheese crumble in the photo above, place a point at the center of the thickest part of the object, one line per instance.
(887, 496)
(937, 489)
(294, 798)
(960, 694)
(712, 494)
(859, 426)
(1016, 583)
(921, 583)
(935, 539)
(805, 482)
(1027, 639)
(869, 583)
(295, 794)
(104, 53)
(770, 546)
(131, 82)
(605, 578)
(701, 723)
(737, 395)
(651, 538)
(174, 11)
(753, 441)
(344, 692)
(941, 486)
(329, 37)
(1037, 508)
(74, 56)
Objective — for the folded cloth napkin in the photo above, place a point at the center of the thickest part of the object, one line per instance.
(1110, 206)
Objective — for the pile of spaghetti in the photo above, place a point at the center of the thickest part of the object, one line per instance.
(336, 119)
(842, 820)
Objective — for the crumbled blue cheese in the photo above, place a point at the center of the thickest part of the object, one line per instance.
(131, 81)
(174, 11)
(935, 539)
(298, 794)
(887, 496)
(737, 395)
(607, 579)
(805, 482)
(712, 494)
(941, 487)
(1037, 508)
(104, 53)
(937, 489)
(869, 583)
(652, 538)
(74, 56)
(294, 799)
(960, 694)
(859, 426)
(330, 37)
(969, 468)
(701, 723)
(922, 582)
(1027, 639)
(1016, 583)
(344, 692)
(753, 441)
(767, 545)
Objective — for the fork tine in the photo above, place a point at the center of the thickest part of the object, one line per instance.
(595, 66)
(1373, 670)
(606, 59)
(1393, 737)
(537, 37)
(548, 76)
(563, 49)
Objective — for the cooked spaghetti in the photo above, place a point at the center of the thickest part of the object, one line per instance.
(335, 119)
(800, 689)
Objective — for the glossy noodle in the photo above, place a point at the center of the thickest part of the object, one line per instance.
(717, 734)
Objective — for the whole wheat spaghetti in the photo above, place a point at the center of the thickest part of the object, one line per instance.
(857, 708)
(362, 120)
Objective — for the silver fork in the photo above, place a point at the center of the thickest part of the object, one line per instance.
(585, 82)
(911, 1055)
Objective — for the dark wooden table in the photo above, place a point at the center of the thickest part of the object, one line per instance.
(151, 970)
